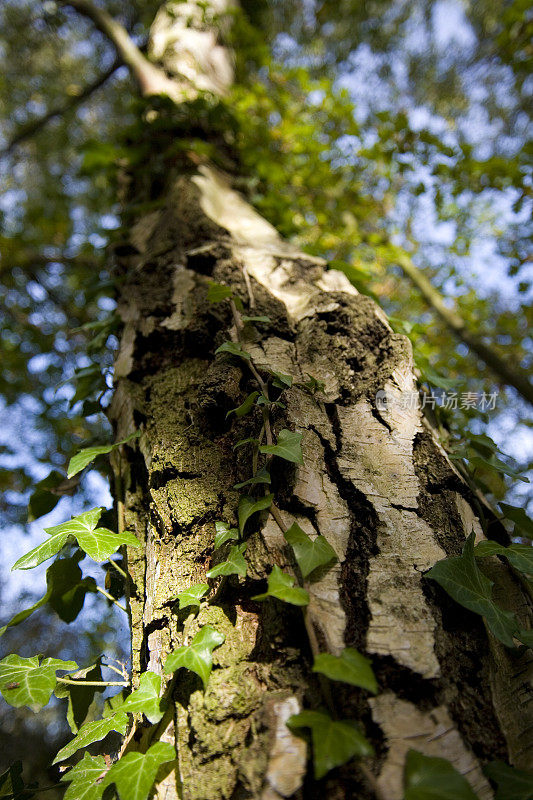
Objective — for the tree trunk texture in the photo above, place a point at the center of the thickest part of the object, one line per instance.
(374, 482)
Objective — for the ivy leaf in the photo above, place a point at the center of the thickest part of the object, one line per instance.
(513, 784)
(80, 697)
(313, 385)
(262, 476)
(245, 407)
(350, 667)
(465, 583)
(29, 682)
(289, 447)
(88, 454)
(98, 543)
(334, 742)
(235, 563)
(146, 699)
(281, 381)
(198, 655)
(48, 493)
(135, 773)
(281, 586)
(249, 505)
(83, 778)
(192, 595)
(234, 349)
(223, 533)
(497, 465)
(519, 517)
(310, 553)
(218, 292)
(242, 442)
(519, 555)
(246, 318)
(93, 732)
(431, 778)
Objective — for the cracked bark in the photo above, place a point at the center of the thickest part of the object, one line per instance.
(374, 482)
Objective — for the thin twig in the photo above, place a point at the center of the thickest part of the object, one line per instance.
(112, 599)
(93, 683)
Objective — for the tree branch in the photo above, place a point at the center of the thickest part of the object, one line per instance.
(29, 129)
(511, 375)
(152, 80)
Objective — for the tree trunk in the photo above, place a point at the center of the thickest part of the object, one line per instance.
(374, 482)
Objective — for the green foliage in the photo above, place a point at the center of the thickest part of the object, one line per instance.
(519, 555)
(224, 533)
(135, 773)
(98, 543)
(261, 476)
(193, 595)
(146, 699)
(65, 592)
(234, 349)
(80, 697)
(281, 586)
(429, 778)
(512, 783)
(334, 741)
(47, 495)
(245, 407)
(523, 523)
(235, 564)
(198, 655)
(88, 454)
(83, 779)
(350, 667)
(93, 732)
(218, 292)
(12, 784)
(461, 577)
(249, 506)
(310, 553)
(281, 381)
(288, 446)
(30, 681)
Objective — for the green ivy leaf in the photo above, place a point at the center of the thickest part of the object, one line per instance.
(223, 533)
(93, 732)
(234, 349)
(218, 292)
(28, 681)
(281, 586)
(350, 667)
(88, 454)
(262, 476)
(146, 698)
(65, 593)
(465, 583)
(242, 442)
(334, 742)
(310, 553)
(135, 773)
(497, 465)
(192, 596)
(80, 697)
(98, 543)
(198, 655)
(235, 563)
(520, 519)
(519, 555)
(429, 778)
(47, 494)
(249, 505)
(282, 381)
(313, 385)
(513, 784)
(246, 318)
(245, 407)
(289, 447)
(83, 779)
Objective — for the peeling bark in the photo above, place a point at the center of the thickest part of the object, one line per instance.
(374, 482)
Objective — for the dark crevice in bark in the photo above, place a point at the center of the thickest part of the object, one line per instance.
(154, 625)
(159, 478)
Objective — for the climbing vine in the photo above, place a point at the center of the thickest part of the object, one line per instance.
(334, 741)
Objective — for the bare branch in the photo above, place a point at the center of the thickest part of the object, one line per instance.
(35, 125)
(151, 79)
